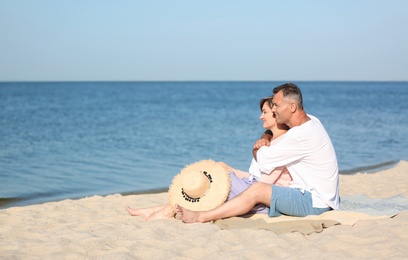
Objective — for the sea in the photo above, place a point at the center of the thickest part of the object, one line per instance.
(68, 140)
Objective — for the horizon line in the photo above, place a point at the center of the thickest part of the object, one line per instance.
(147, 81)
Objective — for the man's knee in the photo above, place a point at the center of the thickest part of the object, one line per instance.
(260, 192)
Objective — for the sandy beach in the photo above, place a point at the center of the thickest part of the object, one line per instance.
(100, 228)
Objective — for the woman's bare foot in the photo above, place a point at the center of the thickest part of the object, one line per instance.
(187, 216)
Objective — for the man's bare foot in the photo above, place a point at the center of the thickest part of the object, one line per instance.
(187, 216)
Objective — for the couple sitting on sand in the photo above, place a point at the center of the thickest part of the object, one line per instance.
(294, 172)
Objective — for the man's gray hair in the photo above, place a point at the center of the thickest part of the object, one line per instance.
(292, 91)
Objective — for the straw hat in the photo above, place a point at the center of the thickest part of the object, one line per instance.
(203, 185)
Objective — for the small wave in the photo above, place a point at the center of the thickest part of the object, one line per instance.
(7, 201)
(150, 191)
(33, 198)
(371, 168)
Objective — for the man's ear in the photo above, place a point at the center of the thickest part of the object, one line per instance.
(293, 107)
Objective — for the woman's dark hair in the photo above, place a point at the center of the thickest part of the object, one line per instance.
(266, 99)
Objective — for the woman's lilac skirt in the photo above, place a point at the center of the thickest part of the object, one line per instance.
(238, 186)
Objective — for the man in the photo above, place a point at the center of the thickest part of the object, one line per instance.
(305, 150)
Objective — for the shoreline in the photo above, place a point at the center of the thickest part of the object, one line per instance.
(99, 227)
(371, 168)
(22, 202)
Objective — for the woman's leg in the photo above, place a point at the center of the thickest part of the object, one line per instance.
(243, 203)
(238, 173)
(156, 212)
(166, 211)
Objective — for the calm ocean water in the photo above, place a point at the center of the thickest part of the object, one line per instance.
(70, 140)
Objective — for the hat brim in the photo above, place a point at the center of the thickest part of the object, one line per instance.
(216, 195)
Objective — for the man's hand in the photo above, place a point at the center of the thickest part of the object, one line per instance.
(265, 140)
(261, 142)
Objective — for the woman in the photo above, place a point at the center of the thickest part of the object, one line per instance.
(240, 180)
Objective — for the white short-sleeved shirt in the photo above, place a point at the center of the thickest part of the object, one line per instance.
(309, 155)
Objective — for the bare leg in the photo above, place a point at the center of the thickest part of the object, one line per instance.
(148, 213)
(243, 203)
(240, 174)
(165, 212)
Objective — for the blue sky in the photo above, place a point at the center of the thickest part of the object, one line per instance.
(99, 40)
